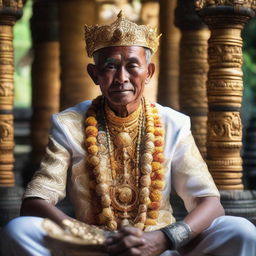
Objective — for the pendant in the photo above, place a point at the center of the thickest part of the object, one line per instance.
(123, 140)
(124, 197)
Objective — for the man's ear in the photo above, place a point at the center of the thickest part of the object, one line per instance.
(151, 71)
(93, 73)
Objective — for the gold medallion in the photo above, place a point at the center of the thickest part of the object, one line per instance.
(124, 197)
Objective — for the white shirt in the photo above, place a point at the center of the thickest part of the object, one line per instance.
(63, 167)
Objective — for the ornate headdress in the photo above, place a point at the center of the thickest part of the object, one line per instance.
(122, 32)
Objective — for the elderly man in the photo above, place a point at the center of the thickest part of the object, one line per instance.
(119, 156)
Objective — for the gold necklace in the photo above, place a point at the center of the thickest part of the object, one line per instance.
(149, 172)
(123, 194)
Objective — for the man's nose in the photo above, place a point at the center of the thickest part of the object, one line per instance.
(121, 75)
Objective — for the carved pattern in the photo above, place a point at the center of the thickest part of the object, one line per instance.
(6, 89)
(226, 163)
(121, 32)
(224, 87)
(224, 126)
(199, 129)
(15, 4)
(193, 72)
(6, 67)
(6, 150)
(10, 10)
(211, 3)
(6, 131)
(198, 51)
(226, 55)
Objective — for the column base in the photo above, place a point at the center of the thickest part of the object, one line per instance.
(10, 202)
(240, 203)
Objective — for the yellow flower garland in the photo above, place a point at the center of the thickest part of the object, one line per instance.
(152, 176)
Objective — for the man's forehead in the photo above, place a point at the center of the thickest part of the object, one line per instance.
(121, 52)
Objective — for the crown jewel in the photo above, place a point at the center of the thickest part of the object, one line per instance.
(121, 32)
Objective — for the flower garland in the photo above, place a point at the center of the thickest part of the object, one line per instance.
(151, 181)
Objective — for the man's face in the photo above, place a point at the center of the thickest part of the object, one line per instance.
(121, 72)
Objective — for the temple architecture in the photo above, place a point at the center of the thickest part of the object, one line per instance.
(199, 72)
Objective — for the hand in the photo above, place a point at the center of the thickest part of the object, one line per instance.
(130, 241)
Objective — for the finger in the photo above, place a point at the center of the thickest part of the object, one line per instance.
(125, 244)
(131, 231)
(115, 238)
(124, 231)
(131, 252)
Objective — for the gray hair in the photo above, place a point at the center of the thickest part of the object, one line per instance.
(148, 55)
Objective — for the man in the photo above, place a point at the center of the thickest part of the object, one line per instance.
(118, 158)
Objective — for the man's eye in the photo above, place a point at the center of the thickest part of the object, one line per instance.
(132, 65)
(110, 66)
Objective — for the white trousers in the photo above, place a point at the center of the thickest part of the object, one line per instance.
(227, 236)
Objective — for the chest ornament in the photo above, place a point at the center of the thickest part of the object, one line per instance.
(125, 163)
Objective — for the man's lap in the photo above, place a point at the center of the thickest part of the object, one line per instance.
(225, 235)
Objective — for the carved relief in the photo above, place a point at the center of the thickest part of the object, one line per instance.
(6, 89)
(5, 45)
(193, 73)
(6, 132)
(226, 163)
(224, 88)
(15, 4)
(6, 150)
(225, 55)
(210, 3)
(10, 11)
(199, 124)
(224, 126)
(195, 51)
(197, 79)
(199, 130)
(193, 101)
(6, 68)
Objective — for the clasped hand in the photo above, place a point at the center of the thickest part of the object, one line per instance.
(130, 241)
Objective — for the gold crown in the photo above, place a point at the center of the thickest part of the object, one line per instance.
(121, 32)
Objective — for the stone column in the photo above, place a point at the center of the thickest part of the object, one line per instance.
(225, 85)
(76, 85)
(45, 77)
(10, 11)
(107, 10)
(249, 154)
(149, 14)
(193, 70)
(168, 80)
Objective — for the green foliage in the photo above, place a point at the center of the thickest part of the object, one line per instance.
(249, 54)
(22, 59)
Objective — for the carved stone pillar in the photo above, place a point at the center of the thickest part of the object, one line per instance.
(225, 85)
(45, 77)
(168, 80)
(107, 10)
(76, 85)
(249, 154)
(193, 70)
(10, 11)
(149, 16)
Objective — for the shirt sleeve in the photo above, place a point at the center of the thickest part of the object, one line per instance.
(49, 182)
(190, 175)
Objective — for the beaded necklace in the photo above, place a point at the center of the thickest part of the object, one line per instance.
(149, 169)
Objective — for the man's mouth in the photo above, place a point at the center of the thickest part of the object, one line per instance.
(121, 91)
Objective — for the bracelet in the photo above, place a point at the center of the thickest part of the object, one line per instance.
(179, 233)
